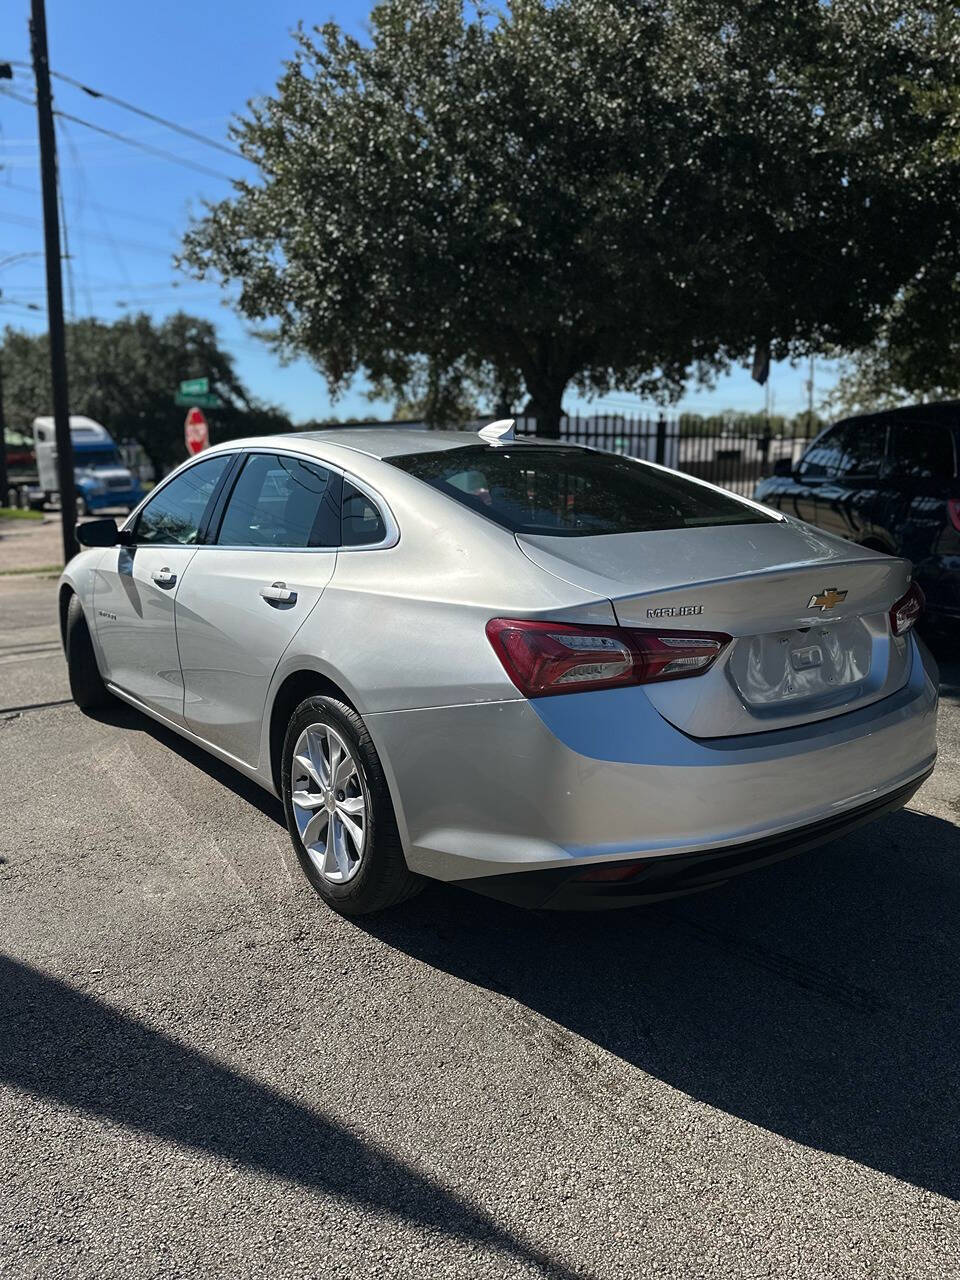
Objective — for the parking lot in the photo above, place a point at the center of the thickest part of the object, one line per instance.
(206, 1072)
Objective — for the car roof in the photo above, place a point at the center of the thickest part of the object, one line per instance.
(389, 442)
(940, 413)
(393, 442)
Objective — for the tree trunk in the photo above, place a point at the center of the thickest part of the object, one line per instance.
(546, 405)
(548, 420)
(546, 370)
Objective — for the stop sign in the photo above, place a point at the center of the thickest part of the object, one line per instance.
(196, 433)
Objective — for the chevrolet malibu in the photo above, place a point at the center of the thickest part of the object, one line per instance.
(557, 676)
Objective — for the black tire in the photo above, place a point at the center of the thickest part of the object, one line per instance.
(86, 683)
(383, 878)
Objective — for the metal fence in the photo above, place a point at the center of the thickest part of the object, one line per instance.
(735, 455)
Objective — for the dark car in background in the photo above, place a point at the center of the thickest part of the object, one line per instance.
(888, 481)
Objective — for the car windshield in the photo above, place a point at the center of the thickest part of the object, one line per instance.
(90, 459)
(561, 492)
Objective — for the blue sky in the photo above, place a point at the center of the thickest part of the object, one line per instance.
(198, 64)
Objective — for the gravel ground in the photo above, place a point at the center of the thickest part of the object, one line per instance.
(204, 1072)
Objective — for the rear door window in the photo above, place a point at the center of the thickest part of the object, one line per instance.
(281, 501)
(920, 452)
(360, 522)
(565, 492)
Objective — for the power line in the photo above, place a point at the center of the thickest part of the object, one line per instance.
(18, 97)
(23, 220)
(112, 210)
(149, 115)
(159, 152)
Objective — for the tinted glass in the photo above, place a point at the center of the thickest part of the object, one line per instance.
(824, 457)
(571, 492)
(280, 502)
(360, 521)
(862, 442)
(175, 513)
(921, 452)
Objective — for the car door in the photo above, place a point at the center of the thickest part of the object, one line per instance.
(136, 587)
(269, 555)
(848, 499)
(919, 477)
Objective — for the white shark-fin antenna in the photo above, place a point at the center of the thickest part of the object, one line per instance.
(498, 432)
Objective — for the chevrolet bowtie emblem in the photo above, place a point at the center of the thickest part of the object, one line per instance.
(828, 598)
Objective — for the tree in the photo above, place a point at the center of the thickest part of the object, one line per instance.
(916, 351)
(124, 375)
(609, 193)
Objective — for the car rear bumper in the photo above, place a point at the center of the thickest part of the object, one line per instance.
(655, 879)
(489, 790)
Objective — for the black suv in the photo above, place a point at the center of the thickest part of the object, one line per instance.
(889, 481)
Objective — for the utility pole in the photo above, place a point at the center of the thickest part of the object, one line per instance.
(810, 430)
(51, 237)
(4, 477)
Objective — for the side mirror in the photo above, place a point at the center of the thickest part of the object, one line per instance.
(783, 467)
(103, 533)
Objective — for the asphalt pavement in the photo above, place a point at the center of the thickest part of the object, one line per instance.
(205, 1072)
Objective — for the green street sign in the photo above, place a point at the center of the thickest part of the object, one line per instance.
(195, 387)
(203, 399)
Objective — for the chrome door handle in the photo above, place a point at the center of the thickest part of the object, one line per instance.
(163, 577)
(278, 593)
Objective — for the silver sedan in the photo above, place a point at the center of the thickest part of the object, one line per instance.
(554, 675)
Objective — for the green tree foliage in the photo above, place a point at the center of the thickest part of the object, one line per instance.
(916, 352)
(124, 375)
(617, 194)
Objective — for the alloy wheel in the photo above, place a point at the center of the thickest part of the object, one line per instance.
(329, 802)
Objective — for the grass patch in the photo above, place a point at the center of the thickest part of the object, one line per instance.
(14, 513)
(43, 568)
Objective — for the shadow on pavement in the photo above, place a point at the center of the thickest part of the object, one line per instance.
(58, 1043)
(819, 999)
(128, 717)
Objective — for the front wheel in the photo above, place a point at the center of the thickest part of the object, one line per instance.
(86, 683)
(339, 811)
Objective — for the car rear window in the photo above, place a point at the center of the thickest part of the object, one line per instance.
(561, 492)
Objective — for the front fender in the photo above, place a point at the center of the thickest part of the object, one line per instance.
(79, 578)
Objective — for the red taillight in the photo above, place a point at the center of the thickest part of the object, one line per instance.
(543, 658)
(611, 871)
(953, 511)
(906, 610)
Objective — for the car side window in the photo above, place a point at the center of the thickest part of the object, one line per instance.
(919, 452)
(862, 443)
(175, 513)
(823, 458)
(360, 522)
(281, 501)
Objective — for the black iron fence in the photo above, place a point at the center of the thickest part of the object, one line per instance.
(735, 455)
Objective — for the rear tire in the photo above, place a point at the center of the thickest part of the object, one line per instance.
(86, 683)
(359, 875)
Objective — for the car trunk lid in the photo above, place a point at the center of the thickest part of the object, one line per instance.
(808, 614)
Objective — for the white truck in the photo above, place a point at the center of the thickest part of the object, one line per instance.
(100, 475)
